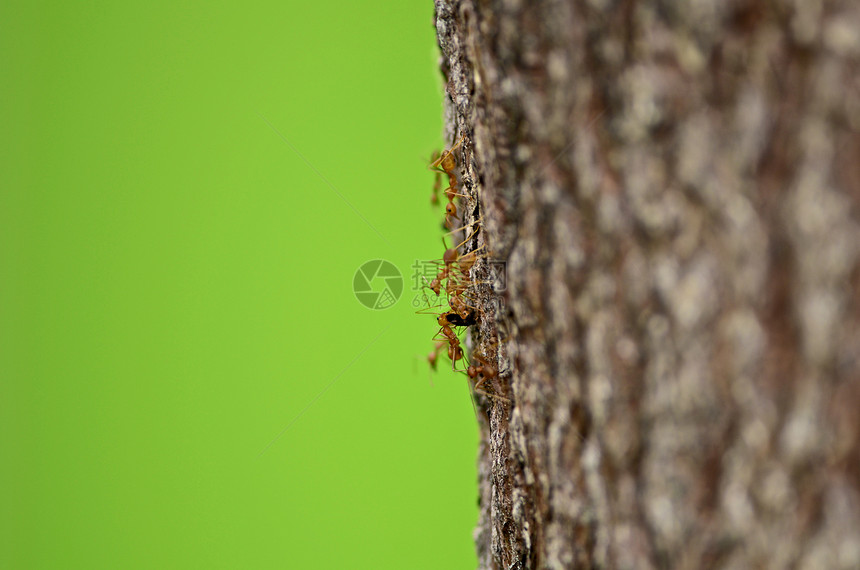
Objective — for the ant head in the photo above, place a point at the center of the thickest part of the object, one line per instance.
(451, 209)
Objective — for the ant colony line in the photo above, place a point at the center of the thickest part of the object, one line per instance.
(456, 305)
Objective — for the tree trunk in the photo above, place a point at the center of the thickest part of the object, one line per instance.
(674, 189)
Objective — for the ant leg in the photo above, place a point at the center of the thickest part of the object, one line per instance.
(467, 260)
(451, 254)
(479, 382)
(455, 352)
(461, 356)
(437, 337)
(451, 193)
(460, 229)
(492, 396)
(472, 399)
(446, 154)
(449, 223)
(429, 310)
(459, 142)
(463, 308)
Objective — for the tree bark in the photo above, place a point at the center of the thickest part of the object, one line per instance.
(674, 189)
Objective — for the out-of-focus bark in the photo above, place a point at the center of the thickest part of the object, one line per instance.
(674, 187)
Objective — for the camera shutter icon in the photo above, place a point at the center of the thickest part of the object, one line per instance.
(377, 284)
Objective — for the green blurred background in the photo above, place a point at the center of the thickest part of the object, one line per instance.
(176, 288)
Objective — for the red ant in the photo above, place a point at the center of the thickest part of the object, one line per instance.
(437, 182)
(447, 163)
(451, 256)
(433, 357)
(458, 295)
(486, 371)
(454, 277)
(446, 321)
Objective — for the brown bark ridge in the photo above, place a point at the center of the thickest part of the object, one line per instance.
(674, 188)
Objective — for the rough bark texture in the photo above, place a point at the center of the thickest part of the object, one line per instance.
(675, 188)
